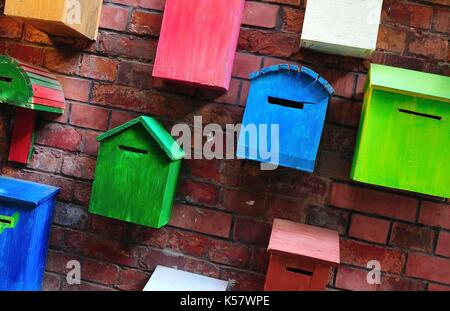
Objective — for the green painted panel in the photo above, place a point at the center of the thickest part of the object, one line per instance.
(403, 143)
(410, 82)
(135, 180)
(15, 86)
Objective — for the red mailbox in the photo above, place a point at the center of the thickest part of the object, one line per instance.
(301, 257)
(198, 41)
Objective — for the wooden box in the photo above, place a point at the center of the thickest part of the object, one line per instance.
(301, 257)
(166, 279)
(198, 41)
(296, 100)
(404, 135)
(137, 171)
(343, 27)
(30, 89)
(73, 18)
(26, 211)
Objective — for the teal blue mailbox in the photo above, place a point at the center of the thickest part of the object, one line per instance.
(26, 211)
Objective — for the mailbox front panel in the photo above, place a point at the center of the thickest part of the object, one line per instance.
(24, 236)
(404, 144)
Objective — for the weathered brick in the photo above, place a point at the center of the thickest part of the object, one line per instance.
(198, 193)
(412, 15)
(227, 253)
(260, 14)
(412, 237)
(26, 53)
(188, 243)
(89, 117)
(429, 268)
(99, 68)
(99, 272)
(145, 4)
(145, 23)
(62, 61)
(252, 232)
(69, 215)
(114, 17)
(78, 166)
(443, 246)
(292, 20)
(243, 281)
(245, 64)
(75, 88)
(268, 43)
(51, 135)
(132, 280)
(135, 74)
(435, 214)
(369, 228)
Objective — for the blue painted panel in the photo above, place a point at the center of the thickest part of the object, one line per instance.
(14, 190)
(24, 236)
(300, 118)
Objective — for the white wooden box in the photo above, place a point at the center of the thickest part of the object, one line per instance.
(343, 27)
(168, 279)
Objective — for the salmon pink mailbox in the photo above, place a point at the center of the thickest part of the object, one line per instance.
(301, 257)
(292, 99)
(26, 211)
(198, 41)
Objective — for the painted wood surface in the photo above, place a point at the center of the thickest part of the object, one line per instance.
(168, 279)
(404, 140)
(343, 27)
(295, 99)
(28, 88)
(144, 161)
(26, 211)
(74, 18)
(198, 41)
(300, 257)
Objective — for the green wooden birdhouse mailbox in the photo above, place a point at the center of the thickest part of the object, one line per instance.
(136, 175)
(404, 135)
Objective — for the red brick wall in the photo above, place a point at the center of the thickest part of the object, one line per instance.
(223, 211)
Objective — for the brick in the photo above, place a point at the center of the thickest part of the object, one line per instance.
(243, 281)
(438, 287)
(245, 64)
(114, 17)
(89, 117)
(108, 227)
(117, 96)
(145, 4)
(188, 243)
(428, 267)
(52, 282)
(85, 287)
(98, 68)
(260, 14)
(10, 28)
(268, 43)
(391, 39)
(46, 159)
(135, 74)
(243, 202)
(56, 238)
(57, 261)
(119, 117)
(292, 20)
(443, 246)
(338, 139)
(429, 46)
(26, 53)
(201, 220)
(78, 166)
(229, 97)
(259, 260)
(356, 280)
(227, 253)
(285, 208)
(411, 15)
(359, 254)
(132, 280)
(198, 193)
(71, 216)
(59, 136)
(89, 144)
(344, 112)
(288, 2)
(372, 201)
(127, 46)
(252, 232)
(34, 35)
(75, 88)
(406, 62)
(82, 193)
(335, 166)
(435, 214)
(442, 20)
(330, 218)
(145, 23)
(99, 272)
(167, 258)
(412, 237)
(157, 238)
(62, 61)
(369, 228)
(201, 267)
(343, 82)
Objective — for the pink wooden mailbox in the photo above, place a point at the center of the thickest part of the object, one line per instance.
(198, 42)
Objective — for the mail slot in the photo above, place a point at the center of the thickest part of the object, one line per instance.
(26, 210)
(404, 139)
(300, 257)
(294, 100)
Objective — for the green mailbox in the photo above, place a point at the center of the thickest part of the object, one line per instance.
(404, 135)
(136, 174)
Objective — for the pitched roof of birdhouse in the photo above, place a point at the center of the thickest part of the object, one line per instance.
(157, 132)
(25, 192)
(293, 69)
(410, 82)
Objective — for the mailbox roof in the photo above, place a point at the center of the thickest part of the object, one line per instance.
(306, 241)
(25, 192)
(156, 131)
(410, 82)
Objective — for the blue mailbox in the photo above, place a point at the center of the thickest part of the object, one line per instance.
(294, 99)
(26, 211)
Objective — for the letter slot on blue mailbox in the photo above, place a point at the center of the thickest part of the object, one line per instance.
(294, 99)
(26, 211)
